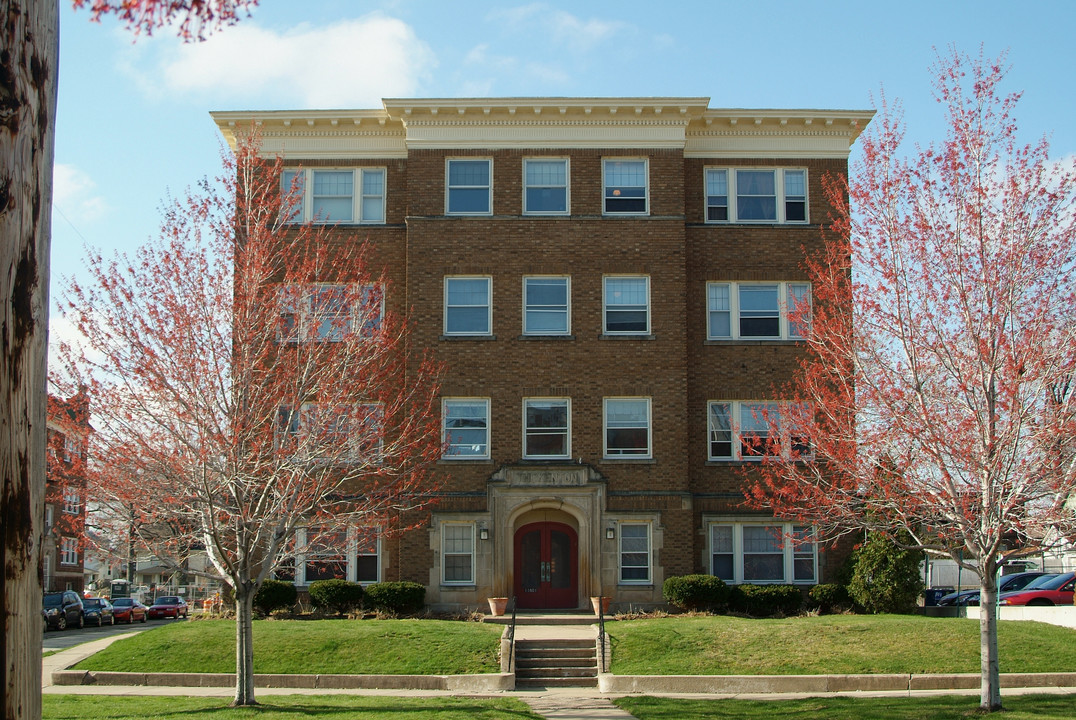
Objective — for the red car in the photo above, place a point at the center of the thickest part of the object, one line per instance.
(1054, 592)
(128, 610)
(165, 606)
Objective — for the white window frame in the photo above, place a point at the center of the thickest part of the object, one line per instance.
(297, 430)
(608, 305)
(624, 453)
(72, 501)
(449, 187)
(69, 551)
(790, 550)
(449, 279)
(567, 186)
(781, 198)
(48, 517)
(789, 293)
(567, 430)
(445, 436)
(622, 551)
(46, 571)
(304, 554)
(304, 209)
(358, 550)
(606, 188)
(72, 448)
(549, 309)
(302, 320)
(736, 414)
(470, 580)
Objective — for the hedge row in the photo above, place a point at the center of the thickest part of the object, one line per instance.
(707, 593)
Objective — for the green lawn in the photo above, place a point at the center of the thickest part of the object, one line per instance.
(349, 647)
(831, 644)
(281, 707)
(950, 707)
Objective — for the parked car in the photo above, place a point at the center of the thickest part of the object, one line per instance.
(1008, 583)
(1056, 591)
(62, 609)
(98, 611)
(168, 606)
(128, 610)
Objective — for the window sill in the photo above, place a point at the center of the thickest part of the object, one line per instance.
(462, 586)
(755, 223)
(479, 338)
(630, 460)
(546, 337)
(465, 461)
(774, 341)
(639, 336)
(629, 585)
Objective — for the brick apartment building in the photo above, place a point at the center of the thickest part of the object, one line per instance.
(67, 438)
(608, 281)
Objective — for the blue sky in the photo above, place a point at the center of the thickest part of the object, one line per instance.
(133, 119)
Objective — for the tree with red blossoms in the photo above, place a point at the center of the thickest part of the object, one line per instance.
(250, 376)
(29, 49)
(938, 388)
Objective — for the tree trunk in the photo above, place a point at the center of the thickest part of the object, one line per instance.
(244, 645)
(29, 45)
(990, 683)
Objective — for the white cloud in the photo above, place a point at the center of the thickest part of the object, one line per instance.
(74, 195)
(351, 63)
(563, 27)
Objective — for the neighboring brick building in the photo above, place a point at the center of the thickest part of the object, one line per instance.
(608, 282)
(67, 439)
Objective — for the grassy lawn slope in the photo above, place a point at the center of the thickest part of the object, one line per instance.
(832, 644)
(349, 647)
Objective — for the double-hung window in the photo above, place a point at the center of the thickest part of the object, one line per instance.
(626, 184)
(545, 186)
(457, 553)
(336, 196)
(546, 428)
(469, 186)
(751, 431)
(756, 195)
(69, 551)
(320, 312)
(627, 427)
(546, 306)
(634, 553)
(758, 311)
(468, 306)
(627, 305)
(72, 501)
(367, 554)
(319, 432)
(466, 428)
(763, 551)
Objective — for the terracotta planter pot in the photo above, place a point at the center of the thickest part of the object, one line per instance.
(497, 605)
(604, 605)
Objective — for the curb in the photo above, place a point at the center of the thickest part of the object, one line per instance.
(486, 682)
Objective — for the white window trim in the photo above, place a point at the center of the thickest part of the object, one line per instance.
(471, 579)
(353, 454)
(489, 305)
(444, 430)
(567, 306)
(567, 187)
(49, 517)
(788, 550)
(649, 429)
(305, 206)
(72, 501)
(646, 196)
(784, 302)
(305, 313)
(736, 407)
(489, 188)
(779, 182)
(649, 555)
(568, 428)
(606, 306)
(353, 554)
(69, 551)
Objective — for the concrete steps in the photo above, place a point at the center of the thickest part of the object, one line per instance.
(550, 662)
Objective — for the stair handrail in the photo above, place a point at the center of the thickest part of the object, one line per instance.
(601, 631)
(512, 635)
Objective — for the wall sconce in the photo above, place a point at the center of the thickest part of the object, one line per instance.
(483, 534)
(610, 533)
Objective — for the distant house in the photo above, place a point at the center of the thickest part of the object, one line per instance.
(610, 283)
(67, 442)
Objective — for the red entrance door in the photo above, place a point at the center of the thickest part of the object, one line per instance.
(546, 572)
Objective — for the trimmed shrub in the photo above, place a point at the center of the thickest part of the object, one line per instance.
(766, 600)
(831, 597)
(398, 598)
(340, 596)
(275, 595)
(886, 577)
(696, 592)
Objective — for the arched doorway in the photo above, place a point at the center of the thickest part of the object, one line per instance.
(546, 566)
